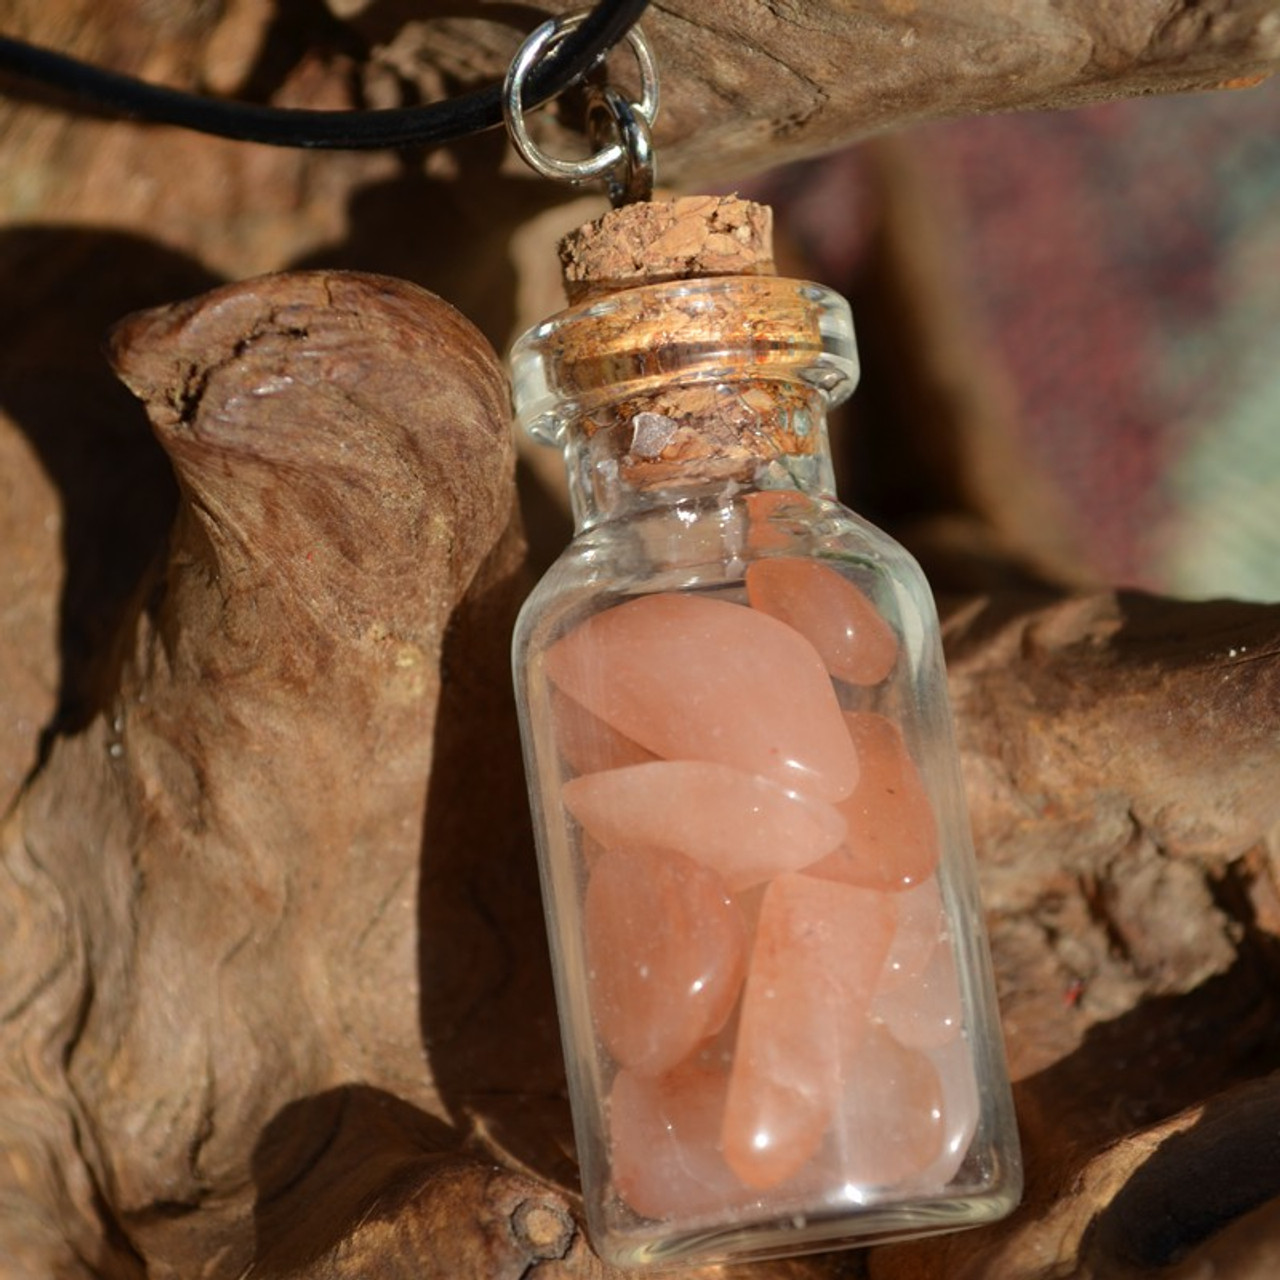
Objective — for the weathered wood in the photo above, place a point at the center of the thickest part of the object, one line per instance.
(213, 878)
(747, 86)
(1121, 757)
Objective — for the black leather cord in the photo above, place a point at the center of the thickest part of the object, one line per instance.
(429, 126)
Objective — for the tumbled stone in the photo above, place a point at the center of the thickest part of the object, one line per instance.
(744, 828)
(819, 949)
(666, 953)
(853, 640)
(925, 1012)
(889, 1124)
(920, 923)
(691, 678)
(892, 834)
(586, 743)
(775, 517)
(961, 1108)
(664, 1140)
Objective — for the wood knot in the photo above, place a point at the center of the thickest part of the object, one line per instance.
(544, 1229)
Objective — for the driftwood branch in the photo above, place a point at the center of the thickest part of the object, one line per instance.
(244, 814)
(750, 86)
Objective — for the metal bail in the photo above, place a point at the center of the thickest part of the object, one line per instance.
(608, 112)
(619, 128)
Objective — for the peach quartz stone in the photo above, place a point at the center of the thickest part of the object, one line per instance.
(772, 516)
(889, 1124)
(744, 827)
(586, 743)
(925, 1012)
(819, 950)
(664, 1136)
(961, 1105)
(853, 640)
(920, 926)
(892, 836)
(666, 951)
(690, 678)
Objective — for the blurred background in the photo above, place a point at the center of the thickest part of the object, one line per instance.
(1098, 291)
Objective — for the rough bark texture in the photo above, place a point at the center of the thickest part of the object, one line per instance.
(273, 989)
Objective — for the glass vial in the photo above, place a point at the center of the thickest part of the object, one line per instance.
(774, 989)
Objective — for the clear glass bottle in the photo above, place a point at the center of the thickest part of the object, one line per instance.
(774, 988)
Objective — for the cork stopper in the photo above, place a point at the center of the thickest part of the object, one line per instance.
(683, 359)
(677, 239)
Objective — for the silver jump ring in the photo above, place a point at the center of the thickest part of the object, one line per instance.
(610, 158)
(608, 112)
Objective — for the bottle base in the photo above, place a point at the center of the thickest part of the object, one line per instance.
(657, 1246)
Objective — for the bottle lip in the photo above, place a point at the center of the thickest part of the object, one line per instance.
(714, 329)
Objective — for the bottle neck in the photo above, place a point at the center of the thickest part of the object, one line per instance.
(688, 388)
(684, 443)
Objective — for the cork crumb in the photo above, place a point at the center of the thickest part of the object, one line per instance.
(652, 432)
(695, 435)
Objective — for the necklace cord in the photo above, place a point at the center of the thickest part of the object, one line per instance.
(427, 126)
